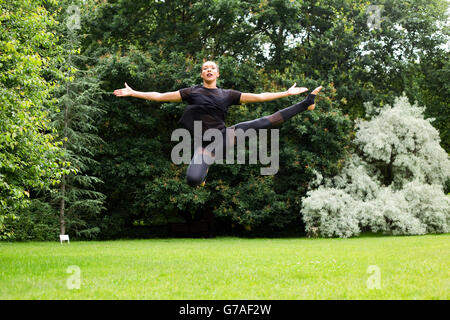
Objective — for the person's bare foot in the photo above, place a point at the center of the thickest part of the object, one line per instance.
(317, 90)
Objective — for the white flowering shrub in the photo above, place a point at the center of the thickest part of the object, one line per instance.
(430, 205)
(358, 179)
(404, 145)
(328, 214)
(393, 184)
(392, 213)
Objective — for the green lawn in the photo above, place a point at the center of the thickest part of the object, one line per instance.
(229, 268)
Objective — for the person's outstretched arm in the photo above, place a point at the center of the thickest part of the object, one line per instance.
(268, 96)
(174, 96)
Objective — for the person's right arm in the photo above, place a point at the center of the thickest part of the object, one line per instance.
(174, 96)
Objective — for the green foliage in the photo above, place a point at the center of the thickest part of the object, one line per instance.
(78, 97)
(431, 88)
(29, 154)
(39, 221)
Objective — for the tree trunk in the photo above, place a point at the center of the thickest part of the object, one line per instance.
(62, 203)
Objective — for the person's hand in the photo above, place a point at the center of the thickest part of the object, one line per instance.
(296, 90)
(125, 92)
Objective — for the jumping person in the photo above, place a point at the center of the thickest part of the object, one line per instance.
(209, 104)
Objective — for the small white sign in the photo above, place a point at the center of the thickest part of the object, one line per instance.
(64, 237)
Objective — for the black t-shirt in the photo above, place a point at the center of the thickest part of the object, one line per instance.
(207, 105)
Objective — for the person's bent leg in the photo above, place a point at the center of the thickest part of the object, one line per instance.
(198, 167)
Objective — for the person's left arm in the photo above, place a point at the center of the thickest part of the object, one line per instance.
(268, 96)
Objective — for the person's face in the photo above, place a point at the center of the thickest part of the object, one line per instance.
(210, 72)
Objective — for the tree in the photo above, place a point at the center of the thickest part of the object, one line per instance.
(76, 94)
(29, 154)
(79, 100)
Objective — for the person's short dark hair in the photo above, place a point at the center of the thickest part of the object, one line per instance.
(217, 65)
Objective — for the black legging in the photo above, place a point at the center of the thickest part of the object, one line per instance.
(198, 168)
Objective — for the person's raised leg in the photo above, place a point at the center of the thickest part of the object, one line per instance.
(307, 104)
(280, 116)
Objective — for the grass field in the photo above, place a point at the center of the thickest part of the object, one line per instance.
(229, 268)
